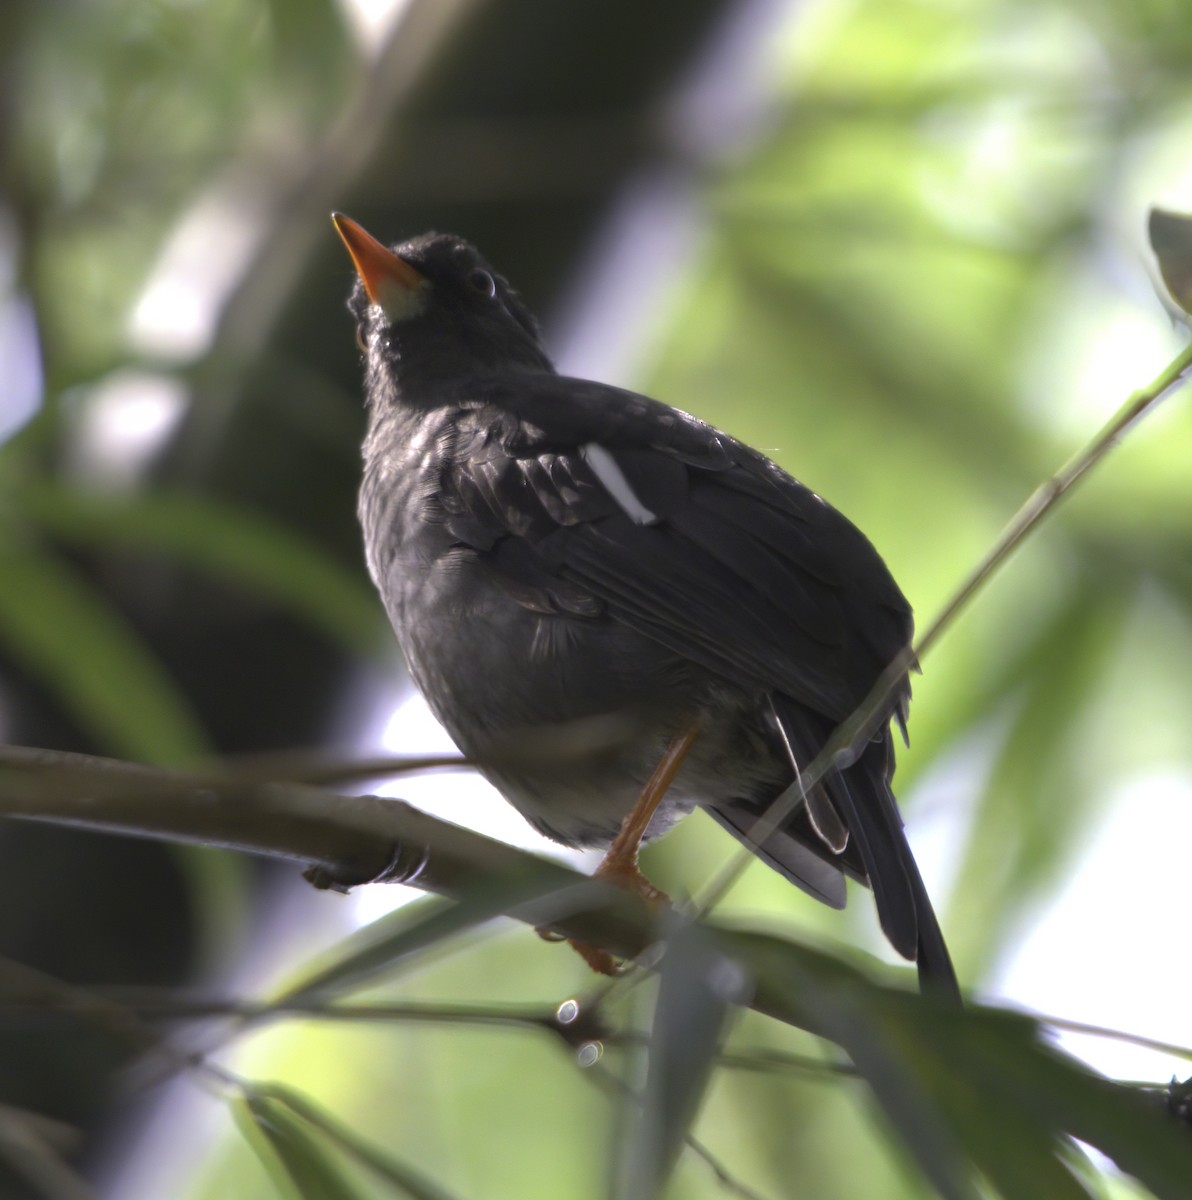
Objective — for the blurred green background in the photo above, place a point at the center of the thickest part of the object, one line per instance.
(898, 244)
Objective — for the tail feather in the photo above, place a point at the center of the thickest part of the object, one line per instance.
(878, 845)
(789, 851)
(936, 973)
(862, 797)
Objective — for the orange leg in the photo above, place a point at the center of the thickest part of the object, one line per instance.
(619, 864)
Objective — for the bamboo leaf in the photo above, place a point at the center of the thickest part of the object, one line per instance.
(697, 984)
(1171, 239)
(64, 632)
(1030, 813)
(410, 1181)
(295, 1160)
(241, 547)
(972, 1093)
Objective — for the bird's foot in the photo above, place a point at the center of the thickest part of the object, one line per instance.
(625, 874)
(601, 961)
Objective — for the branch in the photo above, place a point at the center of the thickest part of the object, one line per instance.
(348, 840)
(341, 840)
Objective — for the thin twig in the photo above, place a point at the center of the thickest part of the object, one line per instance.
(1116, 1035)
(150, 1004)
(164, 1004)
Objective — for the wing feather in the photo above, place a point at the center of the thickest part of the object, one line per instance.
(739, 568)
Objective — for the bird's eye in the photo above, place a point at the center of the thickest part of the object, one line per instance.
(481, 281)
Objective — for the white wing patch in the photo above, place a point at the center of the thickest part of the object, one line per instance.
(605, 468)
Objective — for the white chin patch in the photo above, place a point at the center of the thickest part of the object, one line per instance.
(605, 468)
(400, 303)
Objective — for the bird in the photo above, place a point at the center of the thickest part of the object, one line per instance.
(553, 551)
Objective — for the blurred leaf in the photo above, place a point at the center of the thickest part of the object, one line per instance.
(411, 1182)
(390, 941)
(1022, 1156)
(299, 27)
(1052, 1090)
(1030, 815)
(26, 1149)
(834, 1002)
(66, 633)
(696, 984)
(287, 1147)
(239, 546)
(1171, 240)
(972, 1092)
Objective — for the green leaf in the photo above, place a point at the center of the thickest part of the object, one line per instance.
(1036, 801)
(409, 1180)
(65, 633)
(830, 999)
(972, 1092)
(296, 1161)
(1021, 1155)
(697, 983)
(1050, 1088)
(241, 547)
(1171, 239)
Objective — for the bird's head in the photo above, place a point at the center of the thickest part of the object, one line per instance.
(430, 310)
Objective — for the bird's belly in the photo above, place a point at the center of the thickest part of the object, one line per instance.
(572, 714)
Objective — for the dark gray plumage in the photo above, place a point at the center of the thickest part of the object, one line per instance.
(552, 549)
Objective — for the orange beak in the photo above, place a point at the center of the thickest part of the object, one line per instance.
(385, 275)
